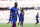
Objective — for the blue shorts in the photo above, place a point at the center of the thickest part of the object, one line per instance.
(21, 19)
(10, 19)
(14, 20)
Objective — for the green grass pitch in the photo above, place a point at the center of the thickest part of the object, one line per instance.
(25, 25)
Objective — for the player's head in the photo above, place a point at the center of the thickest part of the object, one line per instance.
(21, 10)
(15, 4)
(37, 13)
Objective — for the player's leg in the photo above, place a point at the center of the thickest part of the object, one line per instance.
(11, 22)
(18, 22)
(14, 23)
(21, 23)
(8, 22)
(36, 23)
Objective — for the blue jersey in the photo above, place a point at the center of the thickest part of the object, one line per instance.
(14, 10)
(21, 18)
(37, 16)
(10, 19)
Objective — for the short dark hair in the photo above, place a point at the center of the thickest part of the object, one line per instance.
(15, 3)
(21, 10)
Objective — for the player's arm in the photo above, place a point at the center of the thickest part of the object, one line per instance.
(11, 11)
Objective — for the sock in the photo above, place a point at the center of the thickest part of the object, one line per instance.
(36, 23)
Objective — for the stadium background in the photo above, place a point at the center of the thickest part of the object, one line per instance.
(29, 14)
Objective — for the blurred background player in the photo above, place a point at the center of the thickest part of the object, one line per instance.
(14, 11)
(19, 15)
(37, 16)
(10, 18)
(21, 18)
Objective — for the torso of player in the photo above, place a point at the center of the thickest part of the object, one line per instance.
(22, 16)
(37, 16)
(14, 11)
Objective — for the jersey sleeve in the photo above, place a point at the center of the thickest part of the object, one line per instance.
(11, 9)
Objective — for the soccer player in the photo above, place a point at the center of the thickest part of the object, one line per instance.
(10, 19)
(14, 11)
(37, 16)
(21, 18)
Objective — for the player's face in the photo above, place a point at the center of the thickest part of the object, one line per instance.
(15, 5)
(22, 11)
